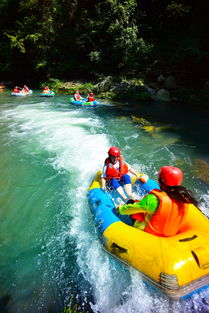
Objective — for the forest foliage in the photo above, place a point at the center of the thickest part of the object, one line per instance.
(70, 39)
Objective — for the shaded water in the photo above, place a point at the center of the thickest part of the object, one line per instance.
(50, 151)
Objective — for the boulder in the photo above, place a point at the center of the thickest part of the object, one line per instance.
(161, 78)
(105, 85)
(162, 95)
(151, 91)
(170, 82)
(120, 87)
(201, 170)
(206, 84)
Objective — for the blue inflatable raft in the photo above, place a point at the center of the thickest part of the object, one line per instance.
(83, 102)
(21, 93)
(50, 94)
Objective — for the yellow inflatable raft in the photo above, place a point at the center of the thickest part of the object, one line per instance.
(178, 266)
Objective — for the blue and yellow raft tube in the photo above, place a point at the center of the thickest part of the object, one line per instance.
(177, 266)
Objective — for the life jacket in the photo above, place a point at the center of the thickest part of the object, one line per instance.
(77, 97)
(16, 90)
(46, 91)
(169, 216)
(90, 99)
(112, 172)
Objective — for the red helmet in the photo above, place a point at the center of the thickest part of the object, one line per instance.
(114, 151)
(171, 176)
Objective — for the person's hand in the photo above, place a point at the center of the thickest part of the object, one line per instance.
(118, 203)
(143, 178)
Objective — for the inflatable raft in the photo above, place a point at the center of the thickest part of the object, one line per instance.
(21, 93)
(50, 94)
(83, 102)
(177, 266)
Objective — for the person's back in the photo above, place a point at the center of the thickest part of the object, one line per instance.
(46, 90)
(162, 212)
(168, 217)
(90, 97)
(16, 90)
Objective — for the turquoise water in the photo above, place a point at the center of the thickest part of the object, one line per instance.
(50, 151)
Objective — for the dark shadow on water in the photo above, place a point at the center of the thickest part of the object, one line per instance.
(190, 124)
(4, 303)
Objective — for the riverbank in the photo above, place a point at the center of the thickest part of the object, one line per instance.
(162, 88)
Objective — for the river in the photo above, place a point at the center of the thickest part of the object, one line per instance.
(50, 150)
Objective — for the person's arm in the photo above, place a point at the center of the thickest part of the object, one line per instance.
(132, 171)
(103, 183)
(103, 177)
(142, 177)
(148, 204)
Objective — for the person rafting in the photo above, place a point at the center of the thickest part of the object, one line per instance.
(17, 89)
(115, 174)
(163, 211)
(25, 89)
(90, 97)
(77, 96)
(46, 90)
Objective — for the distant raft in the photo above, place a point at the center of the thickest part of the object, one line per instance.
(83, 102)
(177, 266)
(49, 94)
(22, 93)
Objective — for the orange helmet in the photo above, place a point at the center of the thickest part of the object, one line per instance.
(114, 151)
(171, 176)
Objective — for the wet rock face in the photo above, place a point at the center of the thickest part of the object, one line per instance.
(105, 85)
(201, 170)
(170, 82)
(162, 95)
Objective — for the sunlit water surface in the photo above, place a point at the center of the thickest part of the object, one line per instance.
(50, 150)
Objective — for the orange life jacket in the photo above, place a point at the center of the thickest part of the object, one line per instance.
(16, 90)
(111, 171)
(169, 216)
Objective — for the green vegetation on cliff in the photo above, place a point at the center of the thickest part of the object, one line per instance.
(77, 39)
